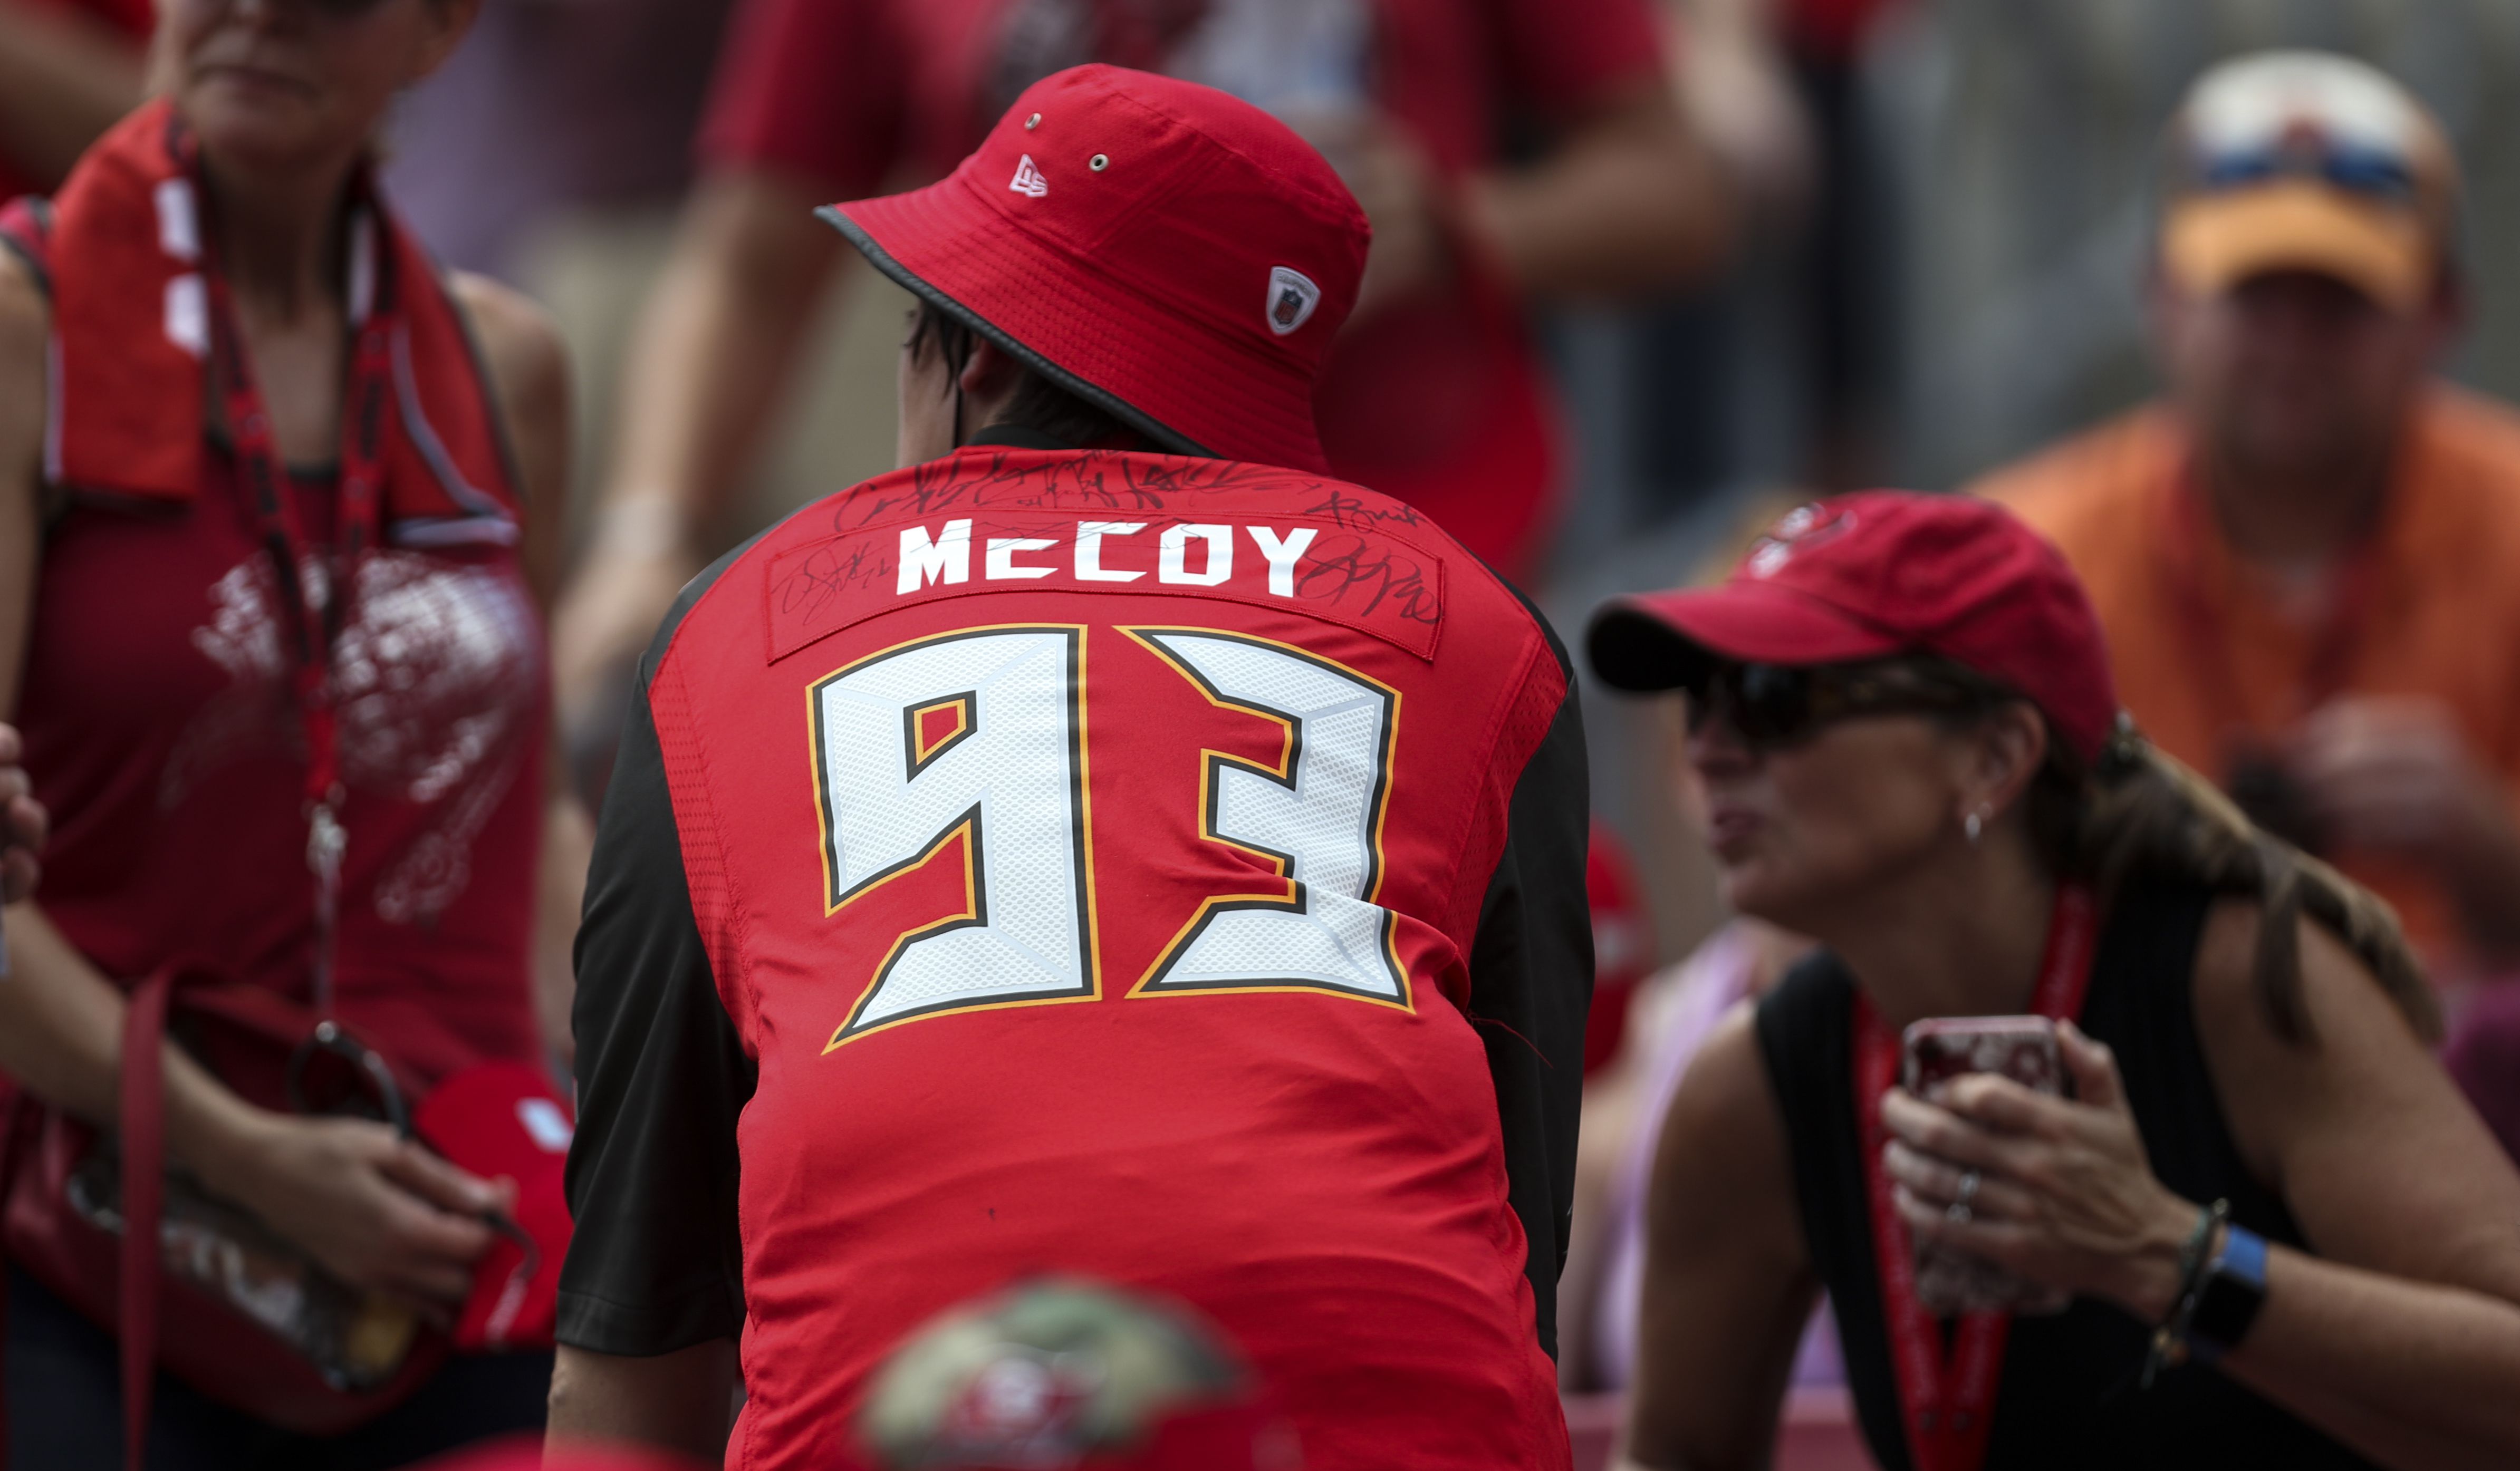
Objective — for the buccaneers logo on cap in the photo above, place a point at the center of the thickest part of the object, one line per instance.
(1797, 530)
(1291, 299)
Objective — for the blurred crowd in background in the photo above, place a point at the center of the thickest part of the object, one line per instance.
(1941, 211)
(1905, 243)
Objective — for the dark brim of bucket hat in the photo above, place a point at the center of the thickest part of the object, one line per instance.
(1089, 332)
(1166, 436)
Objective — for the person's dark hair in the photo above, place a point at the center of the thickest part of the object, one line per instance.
(2139, 811)
(1039, 404)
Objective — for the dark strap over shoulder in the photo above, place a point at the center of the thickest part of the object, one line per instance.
(1806, 1032)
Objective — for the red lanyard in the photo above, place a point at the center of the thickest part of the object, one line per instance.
(2333, 645)
(315, 621)
(1947, 1402)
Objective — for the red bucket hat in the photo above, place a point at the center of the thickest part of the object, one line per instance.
(1878, 574)
(1157, 248)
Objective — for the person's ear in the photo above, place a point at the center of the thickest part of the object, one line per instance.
(443, 28)
(2011, 746)
(990, 371)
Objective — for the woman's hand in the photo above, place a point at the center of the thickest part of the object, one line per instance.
(2064, 1194)
(378, 1211)
(23, 822)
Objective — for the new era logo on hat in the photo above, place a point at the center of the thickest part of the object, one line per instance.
(1028, 181)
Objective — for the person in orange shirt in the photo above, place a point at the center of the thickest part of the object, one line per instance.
(2307, 554)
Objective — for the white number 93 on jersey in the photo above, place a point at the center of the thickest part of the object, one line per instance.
(981, 735)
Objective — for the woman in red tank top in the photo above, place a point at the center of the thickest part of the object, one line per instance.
(273, 563)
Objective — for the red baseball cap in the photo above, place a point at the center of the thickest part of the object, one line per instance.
(1878, 574)
(502, 1121)
(1159, 248)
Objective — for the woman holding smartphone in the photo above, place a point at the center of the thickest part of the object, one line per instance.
(2286, 1238)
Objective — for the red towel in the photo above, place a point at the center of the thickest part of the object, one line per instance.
(124, 250)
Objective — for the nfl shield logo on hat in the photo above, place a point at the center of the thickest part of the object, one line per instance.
(1291, 299)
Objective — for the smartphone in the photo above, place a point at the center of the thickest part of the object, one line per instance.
(1935, 1052)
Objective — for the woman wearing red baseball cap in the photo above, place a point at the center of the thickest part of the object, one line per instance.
(2283, 1237)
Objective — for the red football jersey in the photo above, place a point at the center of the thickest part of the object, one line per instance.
(1101, 859)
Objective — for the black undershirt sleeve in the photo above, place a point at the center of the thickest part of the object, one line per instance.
(655, 1263)
(1531, 988)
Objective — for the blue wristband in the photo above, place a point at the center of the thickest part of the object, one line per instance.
(2235, 1287)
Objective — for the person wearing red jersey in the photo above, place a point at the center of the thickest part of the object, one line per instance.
(1505, 151)
(1107, 844)
(273, 556)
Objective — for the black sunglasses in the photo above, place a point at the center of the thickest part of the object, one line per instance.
(1771, 707)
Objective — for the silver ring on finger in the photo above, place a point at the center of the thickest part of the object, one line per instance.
(1957, 1213)
(1969, 1188)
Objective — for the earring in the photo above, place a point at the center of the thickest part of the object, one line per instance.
(1974, 825)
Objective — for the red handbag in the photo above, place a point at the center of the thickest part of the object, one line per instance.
(222, 1301)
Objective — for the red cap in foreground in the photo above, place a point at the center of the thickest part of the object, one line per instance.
(1878, 574)
(1061, 1374)
(1159, 248)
